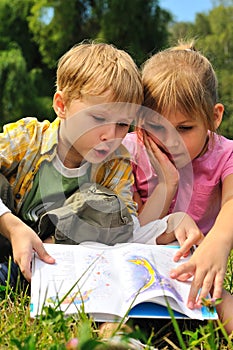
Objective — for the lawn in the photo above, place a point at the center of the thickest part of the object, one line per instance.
(54, 331)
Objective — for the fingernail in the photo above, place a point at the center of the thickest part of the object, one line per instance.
(190, 305)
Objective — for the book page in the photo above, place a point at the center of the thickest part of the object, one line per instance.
(107, 281)
(91, 273)
(146, 270)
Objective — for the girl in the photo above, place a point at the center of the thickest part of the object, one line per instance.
(179, 121)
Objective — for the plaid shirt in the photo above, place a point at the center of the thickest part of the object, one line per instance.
(25, 144)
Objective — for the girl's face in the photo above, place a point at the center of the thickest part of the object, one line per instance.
(177, 135)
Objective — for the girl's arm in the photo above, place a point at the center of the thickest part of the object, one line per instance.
(138, 200)
(209, 261)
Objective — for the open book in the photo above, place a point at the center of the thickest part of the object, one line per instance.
(110, 283)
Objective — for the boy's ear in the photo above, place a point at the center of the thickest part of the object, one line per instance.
(58, 104)
(218, 114)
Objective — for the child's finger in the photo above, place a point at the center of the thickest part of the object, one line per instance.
(186, 244)
(42, 253)
(186, 268)
(214, 283)
(25, 266)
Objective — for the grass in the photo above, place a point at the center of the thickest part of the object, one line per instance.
(54, 331)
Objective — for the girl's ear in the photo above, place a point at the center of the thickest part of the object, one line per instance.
(59, 105)
(218, 114)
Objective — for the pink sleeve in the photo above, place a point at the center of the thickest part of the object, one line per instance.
(228, 153)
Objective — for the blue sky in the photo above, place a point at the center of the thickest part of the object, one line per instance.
(183, 10)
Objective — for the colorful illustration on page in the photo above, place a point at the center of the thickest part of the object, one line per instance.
(75, 298)
(95, 274)
(152, 279)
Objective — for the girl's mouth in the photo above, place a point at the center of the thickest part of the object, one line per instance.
(169, 155)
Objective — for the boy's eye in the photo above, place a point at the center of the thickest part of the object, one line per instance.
(98, 119)
(123, 124)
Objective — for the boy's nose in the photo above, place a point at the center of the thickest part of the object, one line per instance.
(109, 132)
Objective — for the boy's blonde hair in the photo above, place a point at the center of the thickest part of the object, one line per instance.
(94, 68)
(181, 78)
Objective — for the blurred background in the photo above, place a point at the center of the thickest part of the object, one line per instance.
(35, 33)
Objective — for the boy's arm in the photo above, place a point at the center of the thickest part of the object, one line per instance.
(209, 261)
(3, 208)
(24, 242)
(117, 175)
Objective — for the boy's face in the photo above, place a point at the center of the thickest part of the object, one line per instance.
(92, 128)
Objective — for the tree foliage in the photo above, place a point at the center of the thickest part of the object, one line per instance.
(35, 33)
(214, 32)
(58, 25)
(137, 26)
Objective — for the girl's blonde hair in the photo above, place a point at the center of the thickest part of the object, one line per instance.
(94, 68)
(181, 78)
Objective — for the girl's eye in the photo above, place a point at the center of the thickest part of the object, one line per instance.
(184, 128)
(156, 127)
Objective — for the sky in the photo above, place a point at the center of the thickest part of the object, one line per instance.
(185, 11)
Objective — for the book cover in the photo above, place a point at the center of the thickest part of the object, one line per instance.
(110, 283)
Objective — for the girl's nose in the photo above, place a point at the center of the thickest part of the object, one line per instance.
(171, 138)
(172, 141)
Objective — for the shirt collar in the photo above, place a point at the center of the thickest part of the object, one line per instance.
(50, 138)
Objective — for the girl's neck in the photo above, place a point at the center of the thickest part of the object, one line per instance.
(204, 149)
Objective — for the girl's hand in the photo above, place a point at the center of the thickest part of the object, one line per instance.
(207, 266)
(159, 201)
(163, 166)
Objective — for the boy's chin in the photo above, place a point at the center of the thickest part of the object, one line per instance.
(95, 160)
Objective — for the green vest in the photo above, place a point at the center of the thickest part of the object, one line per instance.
(51, 186)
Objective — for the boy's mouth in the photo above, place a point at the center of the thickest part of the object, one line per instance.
(101, 152)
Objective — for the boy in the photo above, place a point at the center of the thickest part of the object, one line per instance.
(98, 92)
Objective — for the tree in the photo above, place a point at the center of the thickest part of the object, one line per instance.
(142, 26)
(18, 95)
(57, 25)
(213, 33)
(138, 26)
(218, 47)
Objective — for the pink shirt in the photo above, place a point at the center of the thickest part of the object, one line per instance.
(200, 186)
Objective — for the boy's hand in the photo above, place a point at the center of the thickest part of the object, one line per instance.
(24, 242)
(182, 228)
(23, 248)
(207, 266)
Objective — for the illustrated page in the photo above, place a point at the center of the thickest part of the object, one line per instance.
(105, 280)
(89, 271)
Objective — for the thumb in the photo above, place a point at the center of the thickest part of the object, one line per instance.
(43, 255)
